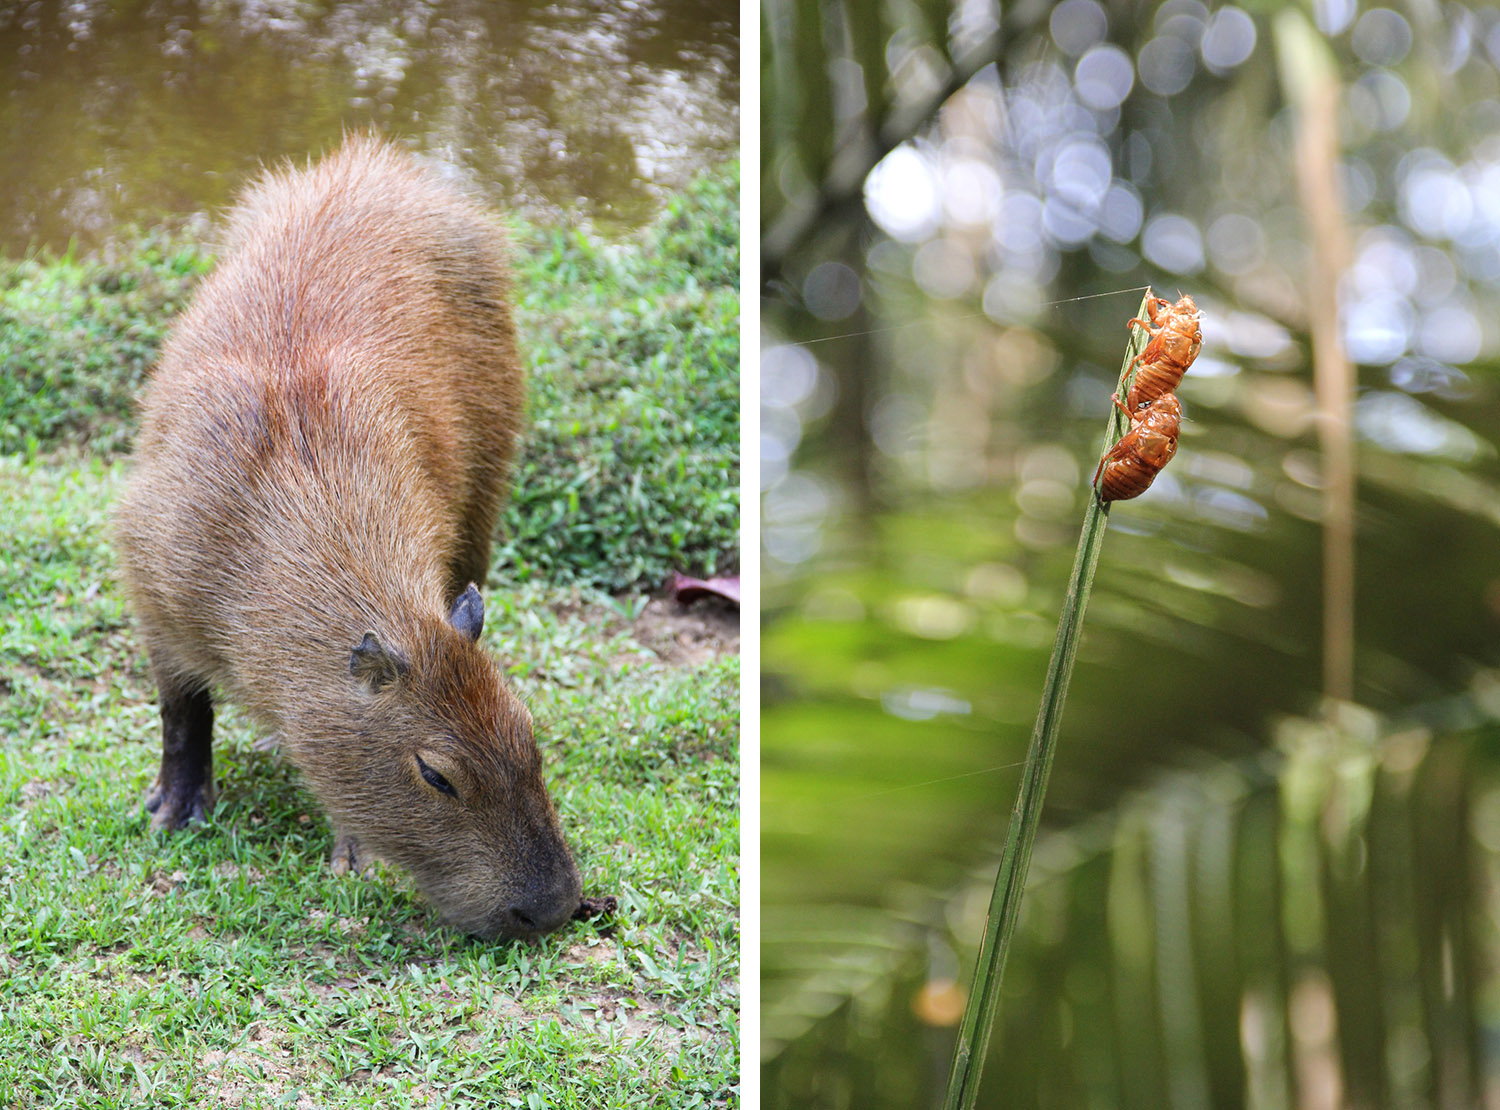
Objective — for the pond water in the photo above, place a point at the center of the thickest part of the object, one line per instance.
(575, 112)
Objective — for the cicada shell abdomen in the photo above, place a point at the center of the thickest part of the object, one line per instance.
(1131, 465)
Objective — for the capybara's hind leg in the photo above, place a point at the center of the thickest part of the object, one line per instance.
(184, 789)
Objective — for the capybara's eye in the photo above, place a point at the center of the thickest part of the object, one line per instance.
(435, 780)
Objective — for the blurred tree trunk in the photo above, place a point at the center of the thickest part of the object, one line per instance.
(1310, 78)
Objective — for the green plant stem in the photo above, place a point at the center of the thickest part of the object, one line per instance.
(984, 993)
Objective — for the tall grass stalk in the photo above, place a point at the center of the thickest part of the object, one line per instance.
(984, 992)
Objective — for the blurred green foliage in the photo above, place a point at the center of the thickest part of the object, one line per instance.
(950, 254)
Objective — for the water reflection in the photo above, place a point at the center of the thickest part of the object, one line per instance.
(574, 111)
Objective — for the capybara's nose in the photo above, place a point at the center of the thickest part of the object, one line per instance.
(546, 906)
(536, 915)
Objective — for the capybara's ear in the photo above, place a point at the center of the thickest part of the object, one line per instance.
(376, 665)
(467, 614)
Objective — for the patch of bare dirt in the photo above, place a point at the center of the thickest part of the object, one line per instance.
(684, 635)
(257, 1068)
(230, 870)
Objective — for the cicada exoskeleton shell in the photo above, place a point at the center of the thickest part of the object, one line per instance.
(1131, 465)
(1175, 340)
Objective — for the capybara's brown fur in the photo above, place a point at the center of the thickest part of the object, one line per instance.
(323, 449)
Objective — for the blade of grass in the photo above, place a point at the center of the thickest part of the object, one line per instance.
(984, 992)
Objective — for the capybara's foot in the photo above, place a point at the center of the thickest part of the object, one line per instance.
(173, 809)
(184, 789)
(349, 858)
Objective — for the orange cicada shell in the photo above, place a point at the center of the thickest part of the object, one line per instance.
(1131, 465)
(1175, 339)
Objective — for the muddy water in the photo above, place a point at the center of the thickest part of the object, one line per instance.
(579, 111)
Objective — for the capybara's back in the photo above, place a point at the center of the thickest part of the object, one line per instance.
(323, 450)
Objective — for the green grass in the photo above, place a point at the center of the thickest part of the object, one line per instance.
(632, 466)
(141, 969)
(631, 462)
(227, 965)
(78, 336)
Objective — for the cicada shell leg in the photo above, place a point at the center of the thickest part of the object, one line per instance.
(1122, 448)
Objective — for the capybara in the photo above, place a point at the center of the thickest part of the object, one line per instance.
(323, 449)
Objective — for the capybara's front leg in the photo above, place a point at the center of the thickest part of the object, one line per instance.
(184, 789)
(350, 857)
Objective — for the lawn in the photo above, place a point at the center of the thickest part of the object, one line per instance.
(228, 966)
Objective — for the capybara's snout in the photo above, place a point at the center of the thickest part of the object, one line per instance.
(543, 907)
